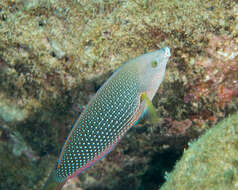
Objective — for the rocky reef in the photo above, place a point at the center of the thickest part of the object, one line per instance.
(54, 55)
(210, 162)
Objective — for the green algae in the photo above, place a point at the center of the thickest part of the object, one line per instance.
(10, 112)
(209, 162)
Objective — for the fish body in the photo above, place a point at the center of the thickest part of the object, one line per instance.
(115, 108)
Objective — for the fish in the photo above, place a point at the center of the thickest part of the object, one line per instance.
(117, 106)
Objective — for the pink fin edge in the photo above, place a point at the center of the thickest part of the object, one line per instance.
(89, 164)
(109, 149)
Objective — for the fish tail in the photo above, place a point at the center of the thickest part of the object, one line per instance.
(51, 184)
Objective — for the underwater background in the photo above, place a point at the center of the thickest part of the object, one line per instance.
(55, 55)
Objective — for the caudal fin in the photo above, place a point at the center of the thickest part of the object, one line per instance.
(52, 185)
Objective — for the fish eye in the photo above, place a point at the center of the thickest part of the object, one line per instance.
(154, 64)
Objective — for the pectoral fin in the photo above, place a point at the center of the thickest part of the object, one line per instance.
(150, 109)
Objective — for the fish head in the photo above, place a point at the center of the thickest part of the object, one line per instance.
(151, 69)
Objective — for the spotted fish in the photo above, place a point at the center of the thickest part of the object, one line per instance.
(117, 106)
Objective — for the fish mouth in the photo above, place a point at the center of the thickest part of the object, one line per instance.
(167, 53)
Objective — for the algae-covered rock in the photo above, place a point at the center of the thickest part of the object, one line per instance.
(54, 55)
(211, 162)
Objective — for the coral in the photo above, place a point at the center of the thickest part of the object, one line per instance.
(210, 162)
(220, 71)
